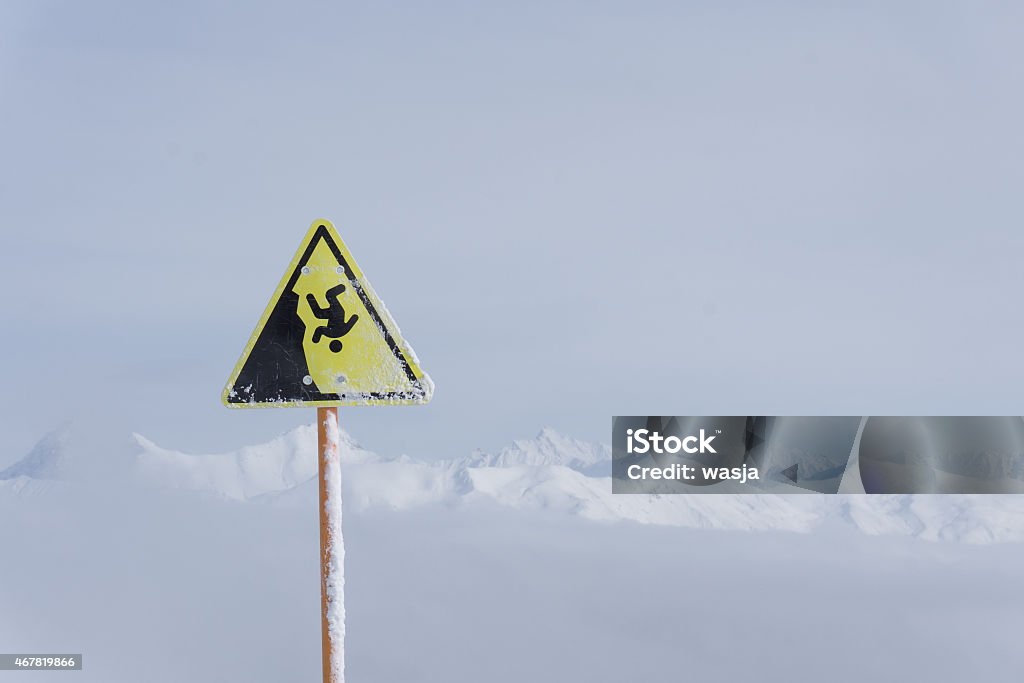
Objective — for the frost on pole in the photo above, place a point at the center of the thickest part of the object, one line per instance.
(333, 576)
(326, 339)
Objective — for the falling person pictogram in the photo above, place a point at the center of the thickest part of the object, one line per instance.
(334, 313)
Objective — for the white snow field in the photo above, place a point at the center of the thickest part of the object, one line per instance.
(519, 565)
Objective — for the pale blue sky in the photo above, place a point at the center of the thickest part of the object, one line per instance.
(573, 210)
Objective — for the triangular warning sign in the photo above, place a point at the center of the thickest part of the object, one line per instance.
(325, 339)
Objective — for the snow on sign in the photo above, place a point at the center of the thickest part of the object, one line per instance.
(326, 339)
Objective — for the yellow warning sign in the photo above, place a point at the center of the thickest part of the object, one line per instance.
(325, 339)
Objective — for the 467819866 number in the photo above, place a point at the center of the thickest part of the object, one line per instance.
(45, 662)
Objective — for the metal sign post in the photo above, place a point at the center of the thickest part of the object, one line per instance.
(332, 547)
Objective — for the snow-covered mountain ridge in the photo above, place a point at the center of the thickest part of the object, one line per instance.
(551, 472)
(547, 448)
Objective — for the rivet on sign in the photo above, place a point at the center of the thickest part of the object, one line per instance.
(341, 270)
(340, 379)
(305, 270)
(307, 380)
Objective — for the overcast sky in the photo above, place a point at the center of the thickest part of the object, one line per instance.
(573, 209)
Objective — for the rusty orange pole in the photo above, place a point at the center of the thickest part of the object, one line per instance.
(332, 549)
